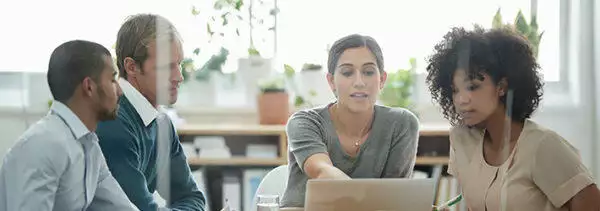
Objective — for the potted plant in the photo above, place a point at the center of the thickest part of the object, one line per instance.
(233, 19)
(311, 67)
(301, 99)
(528, 30)
(202, 80)
(273, 101)
(312, 78)
(398, 88)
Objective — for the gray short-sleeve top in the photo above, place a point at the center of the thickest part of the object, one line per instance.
(389, 151)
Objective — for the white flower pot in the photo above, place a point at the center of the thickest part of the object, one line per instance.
(315, 80)
(250, 71)
(196, 93)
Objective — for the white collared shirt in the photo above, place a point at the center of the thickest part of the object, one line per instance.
(57, 164)
(143, 107)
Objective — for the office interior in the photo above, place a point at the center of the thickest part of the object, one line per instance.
(222, 116)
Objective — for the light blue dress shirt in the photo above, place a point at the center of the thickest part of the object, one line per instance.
(57, 164)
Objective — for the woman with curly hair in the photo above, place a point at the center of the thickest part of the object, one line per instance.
(487, 84)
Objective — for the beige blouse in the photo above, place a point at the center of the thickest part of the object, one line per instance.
(546, 171)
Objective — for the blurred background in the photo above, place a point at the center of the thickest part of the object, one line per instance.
(241, 53)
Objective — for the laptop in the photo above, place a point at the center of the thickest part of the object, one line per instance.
(370, 195)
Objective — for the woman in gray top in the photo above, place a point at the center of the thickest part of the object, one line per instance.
(351, 137)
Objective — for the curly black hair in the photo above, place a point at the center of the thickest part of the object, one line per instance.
(499, 53)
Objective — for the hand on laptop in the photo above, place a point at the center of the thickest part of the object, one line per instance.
(319, 166)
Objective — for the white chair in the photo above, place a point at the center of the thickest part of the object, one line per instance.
(274, 183)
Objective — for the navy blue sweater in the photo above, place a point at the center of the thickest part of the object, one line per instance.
(130, 149)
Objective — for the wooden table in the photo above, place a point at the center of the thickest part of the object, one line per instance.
(292, 209)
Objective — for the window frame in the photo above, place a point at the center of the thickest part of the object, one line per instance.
(559, 95)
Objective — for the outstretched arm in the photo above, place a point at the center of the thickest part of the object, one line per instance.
(307, 146)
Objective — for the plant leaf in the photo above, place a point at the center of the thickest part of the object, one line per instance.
(239, 4)
(209, 30)
(253, 52)
(195, 11)
(274, 11)
(497, 21)
(413, 63)
(225, 21)
(299, 101)
(534, 24)
(218, 5)
(521, 24)
(288, 70)
(197, 51)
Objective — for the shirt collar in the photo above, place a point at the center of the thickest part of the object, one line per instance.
(143, 107)
(73, 122)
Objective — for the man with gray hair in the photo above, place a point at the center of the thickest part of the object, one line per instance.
(142, 155)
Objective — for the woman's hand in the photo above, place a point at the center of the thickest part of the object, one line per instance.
(319, 166)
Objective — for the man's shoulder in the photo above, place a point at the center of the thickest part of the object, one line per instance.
(119, 130)
(46, 139)
(124, 123)
(48, 130)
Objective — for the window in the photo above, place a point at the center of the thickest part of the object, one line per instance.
(34, 31)
(305, 28)
(404, 29)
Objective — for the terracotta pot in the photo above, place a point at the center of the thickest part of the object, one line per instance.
(273, 108)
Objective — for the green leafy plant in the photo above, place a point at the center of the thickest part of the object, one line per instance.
(299, 99)
(311, 67)
(229, 21)
(397, 90)
(214, 64)
(272, 84)
(187, 68)
(529, 30)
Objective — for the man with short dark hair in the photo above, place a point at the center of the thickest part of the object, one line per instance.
(143, 156)
(57, 163)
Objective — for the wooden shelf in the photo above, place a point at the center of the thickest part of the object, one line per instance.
(434, 130)
(236, 161)
(231, 129)
(429, 160)
(241, 129)
(276, 162)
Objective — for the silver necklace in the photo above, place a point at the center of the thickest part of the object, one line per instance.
(362, 131)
